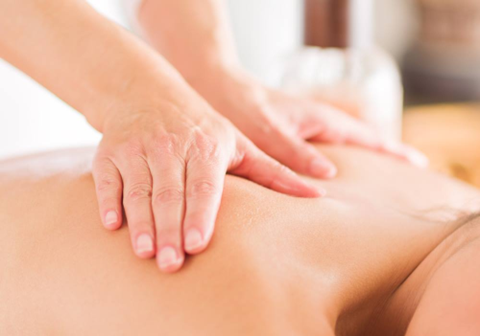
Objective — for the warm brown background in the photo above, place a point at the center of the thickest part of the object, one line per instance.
(450, 136)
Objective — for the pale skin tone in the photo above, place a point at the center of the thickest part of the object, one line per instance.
(276, 122)
(386, 252)
(165, 149)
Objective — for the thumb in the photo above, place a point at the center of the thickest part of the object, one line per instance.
(262, 169)
(298, 155)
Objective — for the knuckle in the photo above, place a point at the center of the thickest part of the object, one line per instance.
(167, 142)
(205, 147)
(107, 183)
(199, 219)
(168, 195)
(268, 128)
(139, 192)
(203, 188)
(141, 226)
(134, 147)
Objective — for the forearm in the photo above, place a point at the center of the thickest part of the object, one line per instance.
(79, 55)
(194, 36)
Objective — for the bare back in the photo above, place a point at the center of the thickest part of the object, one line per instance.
(276, 265)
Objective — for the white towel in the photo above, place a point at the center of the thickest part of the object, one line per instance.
(132, 8)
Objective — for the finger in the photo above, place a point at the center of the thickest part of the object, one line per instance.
(354, 132)
(138, 208)
(204, 187)
(346, 130)
(168, 201)
(408, 153)
(262, 169)
(298, 155)
(108, 186)
(330, 125)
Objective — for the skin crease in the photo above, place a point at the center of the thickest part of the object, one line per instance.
(165, 150)
(385, 247)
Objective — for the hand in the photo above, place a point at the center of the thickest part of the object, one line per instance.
(165, 151)
(279, 123)
(168, 163)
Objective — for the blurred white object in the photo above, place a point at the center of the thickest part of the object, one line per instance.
(264, 30)
(131, 9)
(32, 119)
(364, 82)
(360, 27)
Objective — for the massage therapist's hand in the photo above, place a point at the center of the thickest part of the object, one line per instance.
(164, 152)
(167, 163)
(279, 124)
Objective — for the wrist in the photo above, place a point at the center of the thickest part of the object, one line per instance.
(158, 93)
(194, 37)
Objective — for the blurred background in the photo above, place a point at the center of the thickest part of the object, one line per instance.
(433, 44)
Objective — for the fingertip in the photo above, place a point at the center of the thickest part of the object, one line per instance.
(409, 153)
(315, 192)
(417, 158)
(169, 260)
(194, 241)
(298, 188)
(323, 168)
(144, 247)
(322, 192)
(112, 220)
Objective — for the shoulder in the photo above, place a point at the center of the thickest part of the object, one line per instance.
(451, 301)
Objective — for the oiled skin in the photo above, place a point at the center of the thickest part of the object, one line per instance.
(277, 265)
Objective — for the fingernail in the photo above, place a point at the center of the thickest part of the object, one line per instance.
(393, 147)
(417, 158)
(193, 240)
(323, 168)
(144, 244)
(111, 218)
(322, 192)
(167, 258)
(413, 155)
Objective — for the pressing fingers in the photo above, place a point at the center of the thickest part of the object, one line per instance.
(406, 152)
(344, 129)
(297, 154)
(108, 185)
(360, 134)
(351, 131)
(262, 169)
(168, 172)
(205, 180)
(138, 209)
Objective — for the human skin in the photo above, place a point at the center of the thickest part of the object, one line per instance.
(387, 250)
(195, 36)
(165, 150)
